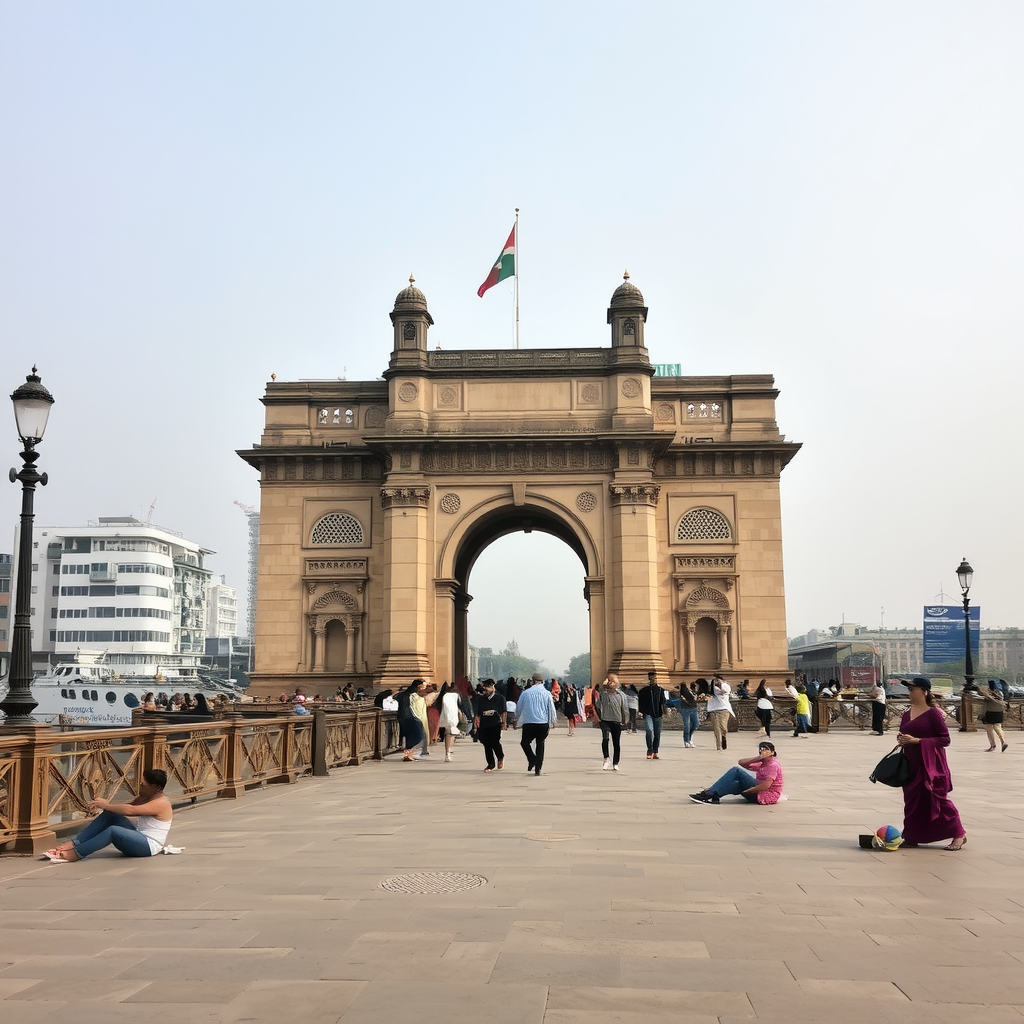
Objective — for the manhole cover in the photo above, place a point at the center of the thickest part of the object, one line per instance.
(433, 882)
(551, 837)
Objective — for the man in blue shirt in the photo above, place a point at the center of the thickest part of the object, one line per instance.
(535, 714)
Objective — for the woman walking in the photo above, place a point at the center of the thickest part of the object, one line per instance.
(992, 717)
(764, 707)
(720, 711)
(448, 702)
(610, 708)
(409, 728)
(488, 721)
(418, 703)
(570, 706)
(928, 814)
(877, 696)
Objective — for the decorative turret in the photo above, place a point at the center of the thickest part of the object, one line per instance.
(411, 320)
(627, 315)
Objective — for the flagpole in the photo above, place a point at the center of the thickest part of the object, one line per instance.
(517, 279)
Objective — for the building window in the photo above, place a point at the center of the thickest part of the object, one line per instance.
(338, 528)
(704, 524)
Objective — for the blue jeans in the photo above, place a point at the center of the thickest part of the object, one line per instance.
(691, 722)
(652, 726)
(108, 829)
(803, 724)
(734, 781)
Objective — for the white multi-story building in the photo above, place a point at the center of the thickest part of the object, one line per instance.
(119, 586)
(221, 609)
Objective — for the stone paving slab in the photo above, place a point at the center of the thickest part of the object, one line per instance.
(609, 898)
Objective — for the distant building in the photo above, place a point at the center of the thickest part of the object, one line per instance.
(5, 602)
(221, 610)
(134, 591)
(1000, 653)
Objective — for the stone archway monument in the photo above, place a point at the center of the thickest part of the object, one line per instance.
(377, 497)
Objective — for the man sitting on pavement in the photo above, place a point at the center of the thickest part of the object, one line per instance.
(138, 828)
(757, 779)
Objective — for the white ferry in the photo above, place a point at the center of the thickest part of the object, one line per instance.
(88, 692)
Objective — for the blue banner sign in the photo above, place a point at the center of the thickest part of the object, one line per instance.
(668, 370)
(944, 633)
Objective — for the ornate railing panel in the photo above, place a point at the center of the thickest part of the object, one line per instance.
(196, 762)
(95, 765)
(8, 788)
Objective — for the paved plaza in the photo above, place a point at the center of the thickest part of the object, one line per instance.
(606, 897)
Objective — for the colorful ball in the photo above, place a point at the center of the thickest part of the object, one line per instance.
(888, 837)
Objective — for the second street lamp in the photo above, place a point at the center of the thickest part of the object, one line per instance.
(31, 409)
(965, 575)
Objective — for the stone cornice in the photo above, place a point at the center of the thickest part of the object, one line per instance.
(634, 494)
(396, 497)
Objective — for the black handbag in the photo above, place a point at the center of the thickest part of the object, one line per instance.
(893, 770)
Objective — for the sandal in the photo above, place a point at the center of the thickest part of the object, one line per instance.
(56, 857)
(957, 844)
(488, 769)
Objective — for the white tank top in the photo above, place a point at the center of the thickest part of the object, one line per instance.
(154, 830)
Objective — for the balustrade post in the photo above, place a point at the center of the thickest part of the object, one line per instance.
(967, 718)
(823, 720)
(32, 832)
(233, 786)
(318, 743)
(355, 759)
(378, 734)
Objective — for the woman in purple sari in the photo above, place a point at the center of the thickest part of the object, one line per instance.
(928, 814)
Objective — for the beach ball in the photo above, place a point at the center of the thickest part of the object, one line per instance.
(888, 837)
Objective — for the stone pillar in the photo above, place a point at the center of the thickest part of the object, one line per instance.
(406, 579)
(593, 591)
(350, 645)
(319, 646)
(446, 654)
(635, 637)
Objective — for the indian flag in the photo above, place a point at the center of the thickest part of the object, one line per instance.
(505, 265)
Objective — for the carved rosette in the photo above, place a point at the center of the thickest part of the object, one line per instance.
(408, 391)
(634, 494)
(631, 388)
(396, 497)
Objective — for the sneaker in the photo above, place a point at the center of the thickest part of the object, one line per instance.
(702, 797)
(688, 745)
(606, 766)
(615, 767)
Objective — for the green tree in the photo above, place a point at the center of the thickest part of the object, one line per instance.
(578, 672)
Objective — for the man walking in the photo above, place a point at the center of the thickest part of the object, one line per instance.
(488, 721)
(535, 714)
(652, 707)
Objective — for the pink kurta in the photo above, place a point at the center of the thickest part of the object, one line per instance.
(928, 814)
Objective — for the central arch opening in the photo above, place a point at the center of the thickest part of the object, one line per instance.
(525, 571)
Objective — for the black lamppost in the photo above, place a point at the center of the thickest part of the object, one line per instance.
(965, 574)
(31, 409)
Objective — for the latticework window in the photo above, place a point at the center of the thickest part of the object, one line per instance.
(338, 528)
(704, 524)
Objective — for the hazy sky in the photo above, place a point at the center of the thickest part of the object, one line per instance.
(195, 195)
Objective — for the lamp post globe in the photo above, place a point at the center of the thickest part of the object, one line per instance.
(31, 410)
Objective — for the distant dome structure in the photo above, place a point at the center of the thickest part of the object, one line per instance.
(626, 294)
(411, 298)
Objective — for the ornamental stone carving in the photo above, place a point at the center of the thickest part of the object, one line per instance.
(408, 331)
(416, 497)
(634, 494)
(450, 503)
(590, 393)
(692, 562)
(374, 416)
(408, 391)
(586, 501)
(663, 414)
(448, 395)
(335, 597)
(707, 595)
(631, 388)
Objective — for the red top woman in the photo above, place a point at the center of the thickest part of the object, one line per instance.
(928, 814)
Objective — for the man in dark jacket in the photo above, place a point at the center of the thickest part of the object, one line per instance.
(652, 707)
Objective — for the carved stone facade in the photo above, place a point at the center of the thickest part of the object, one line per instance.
(378, 496)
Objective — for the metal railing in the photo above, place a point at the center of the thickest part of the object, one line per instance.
(48, 778)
